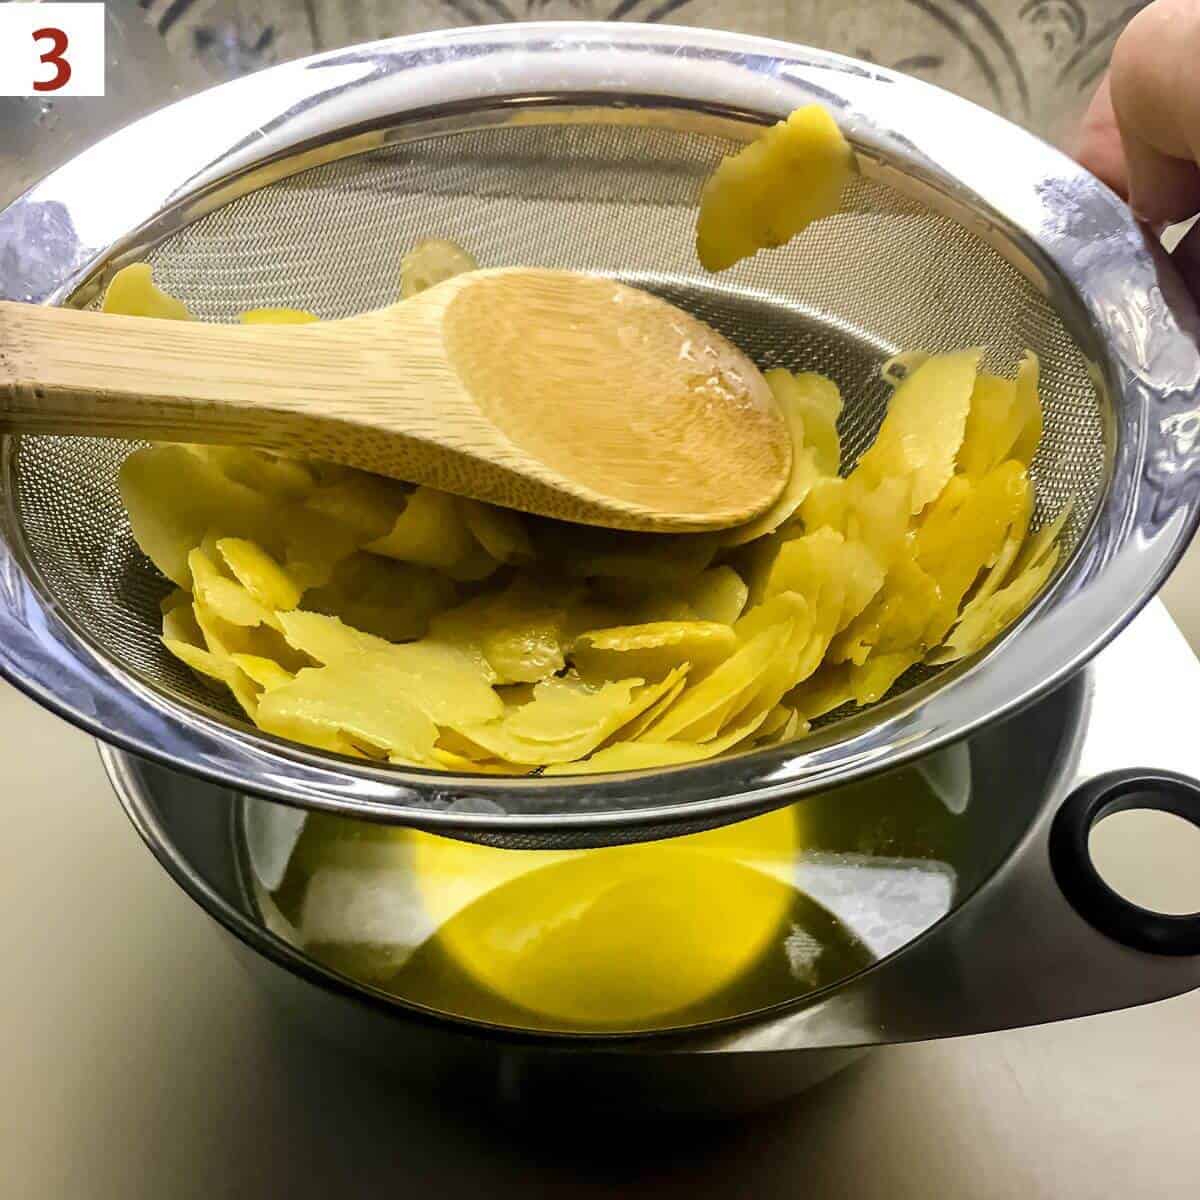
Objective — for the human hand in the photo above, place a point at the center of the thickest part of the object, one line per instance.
(1141, 134)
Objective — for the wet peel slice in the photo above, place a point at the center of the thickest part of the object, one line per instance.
(565, 720)
(652, 650)
(699, 712)
(920, 437)
(764, 195)
(330, 704)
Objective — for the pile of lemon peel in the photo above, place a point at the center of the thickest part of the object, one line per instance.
(369, 618)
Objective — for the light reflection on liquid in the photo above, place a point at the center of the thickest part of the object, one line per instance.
(664, 934)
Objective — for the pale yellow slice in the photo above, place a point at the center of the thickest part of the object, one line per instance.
(653, 649)
(133, 293)
(920, 437)
(769, 191)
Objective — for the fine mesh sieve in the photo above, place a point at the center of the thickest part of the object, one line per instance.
(916, 259)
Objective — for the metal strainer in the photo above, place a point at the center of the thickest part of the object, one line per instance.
(585, 146)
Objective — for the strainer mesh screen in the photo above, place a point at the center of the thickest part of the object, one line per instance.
(884, 275)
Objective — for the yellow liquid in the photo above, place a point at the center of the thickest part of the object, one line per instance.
(625, 938)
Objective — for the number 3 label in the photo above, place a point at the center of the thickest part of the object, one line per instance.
(54, 56)
(52, 50)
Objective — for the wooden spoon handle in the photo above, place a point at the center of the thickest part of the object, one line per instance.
(372, 392)
(67, 371)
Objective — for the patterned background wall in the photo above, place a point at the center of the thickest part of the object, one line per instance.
(1034, 60)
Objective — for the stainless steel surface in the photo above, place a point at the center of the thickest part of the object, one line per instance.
(1011, 951)
(40, 133)
(140, 1063)
(1035, 62)
(1040, 241)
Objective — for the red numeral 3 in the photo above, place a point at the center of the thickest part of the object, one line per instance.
(62, 68)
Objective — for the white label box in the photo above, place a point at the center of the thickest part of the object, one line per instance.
(52, 50)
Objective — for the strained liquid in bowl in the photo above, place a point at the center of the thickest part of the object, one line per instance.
(666, 934)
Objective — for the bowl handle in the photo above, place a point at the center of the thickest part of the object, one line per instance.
(1092, 898)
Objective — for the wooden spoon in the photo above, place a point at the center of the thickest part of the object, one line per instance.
(557, 393)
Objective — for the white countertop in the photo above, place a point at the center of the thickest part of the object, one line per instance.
(137, 1062)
